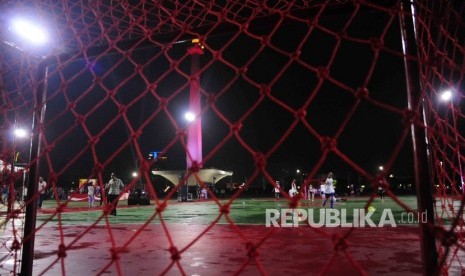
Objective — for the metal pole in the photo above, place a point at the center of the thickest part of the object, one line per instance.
(11, 184)
(423, 182)
(31, 208)
(457, 147)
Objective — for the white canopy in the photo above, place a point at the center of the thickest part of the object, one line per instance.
(206, 175)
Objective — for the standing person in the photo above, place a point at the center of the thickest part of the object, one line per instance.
(276, 190)
(381, 193)
(115, 185)
(90, 193)
(42, 187)
(293, 191)
(311, 192)
(329, 189)
(4, 194)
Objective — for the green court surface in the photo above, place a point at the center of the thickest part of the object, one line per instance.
(203, 238)
(241, 211)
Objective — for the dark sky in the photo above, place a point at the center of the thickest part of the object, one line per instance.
(86, 95)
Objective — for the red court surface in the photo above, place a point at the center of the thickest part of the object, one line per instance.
(222, 251)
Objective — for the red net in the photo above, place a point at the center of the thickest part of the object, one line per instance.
(274, 86)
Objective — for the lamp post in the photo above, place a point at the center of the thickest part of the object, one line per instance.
(18, 133)
(447, 96)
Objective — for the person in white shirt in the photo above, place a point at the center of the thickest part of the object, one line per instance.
(42, 187)
(328, 187)
(311, 192)
(90, 193)
(276, 190)
(114, 187)
(293, 191)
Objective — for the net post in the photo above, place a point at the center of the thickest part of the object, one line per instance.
(421, 155)
(27, 257)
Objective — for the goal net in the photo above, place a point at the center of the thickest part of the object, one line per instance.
(280, 92)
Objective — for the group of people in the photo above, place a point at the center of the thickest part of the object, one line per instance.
(327, 190)
(112, 191)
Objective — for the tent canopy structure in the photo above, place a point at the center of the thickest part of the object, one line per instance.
(206, 175)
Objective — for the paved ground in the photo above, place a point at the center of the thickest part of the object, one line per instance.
(288, 251)
(248, 247)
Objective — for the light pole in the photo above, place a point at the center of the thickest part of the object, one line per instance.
(18, 133)
(447, 96)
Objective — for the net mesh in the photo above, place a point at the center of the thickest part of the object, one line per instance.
(315, 85)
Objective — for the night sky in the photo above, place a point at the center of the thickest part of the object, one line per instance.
(84, 97)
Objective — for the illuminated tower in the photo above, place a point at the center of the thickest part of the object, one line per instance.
(194, 136)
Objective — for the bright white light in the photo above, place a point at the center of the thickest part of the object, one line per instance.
(381, 168)
(190, 117)
(20, 133)
(446, 95)
(29, 31)
(134, 174)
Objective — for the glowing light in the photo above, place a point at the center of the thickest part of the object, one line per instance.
(29, 31)
(446, 95)
(189, 116)
(20, 133)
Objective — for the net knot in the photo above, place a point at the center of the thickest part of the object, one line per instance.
(93, 140)
(251, 250)
(260, 160)
(195, 167)
(61, 207)
(294, 202)
(376, 43)
(409, 117)
(301, 114)
(108, 208)
(163, 102)
(72, 105)
(175, 256)
(161, 207)
(144, 165)
(136, 134)
(235, 128)
(265, 90)
(182, 133)
(15, 245)
(242, 70)
(53, 178)
(328, 143)
(211, 99)
(98, 167)
(265, 40)
(362, 93)
(340, 243)
(323, 72)
(447, 238)
(61, 251)
(114, 254)
(122, 109)
(312, 22)
(79, 119)
(16, 213)
(224, 209)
